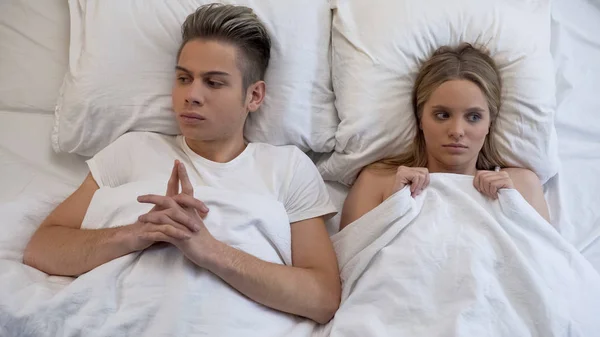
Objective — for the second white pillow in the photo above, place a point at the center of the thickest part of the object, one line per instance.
(378, 47)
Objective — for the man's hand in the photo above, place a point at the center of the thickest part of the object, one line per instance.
(176, 218)
(309, 288)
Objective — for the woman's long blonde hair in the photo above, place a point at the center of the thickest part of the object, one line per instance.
(462, 63)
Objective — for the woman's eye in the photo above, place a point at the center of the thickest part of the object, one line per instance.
(442, 115)
(474, 117)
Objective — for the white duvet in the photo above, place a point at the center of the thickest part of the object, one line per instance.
(157, 292)
(454, 263)
(448, 263)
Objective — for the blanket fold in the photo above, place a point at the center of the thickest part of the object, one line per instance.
(157, 292)
(454, 263)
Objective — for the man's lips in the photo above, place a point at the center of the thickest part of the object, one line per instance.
(192, 116)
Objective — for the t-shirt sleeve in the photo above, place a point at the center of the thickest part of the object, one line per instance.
(307, 196)
(110, 166)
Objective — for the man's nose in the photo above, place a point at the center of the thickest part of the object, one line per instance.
(195, 94)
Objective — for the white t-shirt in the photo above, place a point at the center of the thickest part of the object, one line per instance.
(282, 172)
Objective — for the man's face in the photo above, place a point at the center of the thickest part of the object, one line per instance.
(208, 98)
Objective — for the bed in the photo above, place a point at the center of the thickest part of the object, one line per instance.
(31, 77)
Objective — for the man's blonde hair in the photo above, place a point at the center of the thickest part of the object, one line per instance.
(464, 62)
(237, 25)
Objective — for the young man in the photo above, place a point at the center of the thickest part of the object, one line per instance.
(219, 80)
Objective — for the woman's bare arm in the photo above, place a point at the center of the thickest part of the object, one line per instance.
(530, 187)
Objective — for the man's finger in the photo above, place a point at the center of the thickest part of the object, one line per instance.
(158, 200)
(186, 185)
(191, 202)
(165, 218)
(173, 184)
(166, 233)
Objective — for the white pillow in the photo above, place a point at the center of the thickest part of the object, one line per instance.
(121, 70)
(34, 44)
(378, 47)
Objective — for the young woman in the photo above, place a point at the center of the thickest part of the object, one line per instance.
(456, 100)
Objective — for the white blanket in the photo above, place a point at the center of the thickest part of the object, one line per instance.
(157, 292)
(454, 263)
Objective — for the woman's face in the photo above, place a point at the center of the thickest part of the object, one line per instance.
(455, 122)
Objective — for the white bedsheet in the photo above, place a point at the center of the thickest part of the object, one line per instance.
(454, 263)
(27, 163)
(157, 292)
(574, 195)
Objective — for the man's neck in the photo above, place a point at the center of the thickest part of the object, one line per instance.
(217, 151)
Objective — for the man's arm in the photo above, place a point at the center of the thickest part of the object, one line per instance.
(310, 288)
(61, 247)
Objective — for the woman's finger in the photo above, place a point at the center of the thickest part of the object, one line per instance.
(421, 183)
(492, 188)
(414, 183)
(477, 182)
(186, 185)
(173, 184)
(191, 202)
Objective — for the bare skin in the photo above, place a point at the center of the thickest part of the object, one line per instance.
(455, 122)
(210, 106)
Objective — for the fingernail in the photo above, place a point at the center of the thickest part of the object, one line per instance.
(196, 227)
(204, 209)
(186, 237)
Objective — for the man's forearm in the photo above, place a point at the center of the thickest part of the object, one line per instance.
(59, 250)
(298, 291)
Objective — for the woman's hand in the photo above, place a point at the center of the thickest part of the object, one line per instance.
(416, 177)
(489, 183)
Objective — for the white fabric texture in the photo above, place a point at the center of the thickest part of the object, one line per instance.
(282, 173)
(121, 69)
(575, 193)
(454, 263)
(34, 40)
(157, 292)
(378, 47)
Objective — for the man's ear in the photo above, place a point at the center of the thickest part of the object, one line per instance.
(255, 95)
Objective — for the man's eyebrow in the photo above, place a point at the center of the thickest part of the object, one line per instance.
(208, 73)
(183, 69)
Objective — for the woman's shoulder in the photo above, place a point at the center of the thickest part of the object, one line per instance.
(369, 190)
(381, 179)
(523, 178)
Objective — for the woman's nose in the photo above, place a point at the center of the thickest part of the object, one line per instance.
(456, 130)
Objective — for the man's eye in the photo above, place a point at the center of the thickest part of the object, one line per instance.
(183, 79)
(214, 84)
